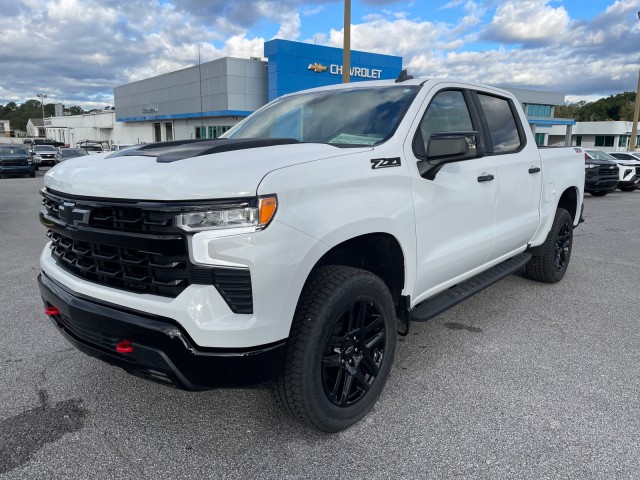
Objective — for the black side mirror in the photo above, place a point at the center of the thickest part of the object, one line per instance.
(448, 147)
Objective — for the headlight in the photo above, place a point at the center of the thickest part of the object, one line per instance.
(590, 165)
(257, 216)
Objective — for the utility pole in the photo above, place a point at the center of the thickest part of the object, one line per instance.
(42, 96)
(634, 130)
(636, 111)
(346, 46)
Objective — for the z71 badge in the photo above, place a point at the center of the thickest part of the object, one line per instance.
(385, 162)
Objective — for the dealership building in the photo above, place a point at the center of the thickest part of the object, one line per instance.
(204, 101)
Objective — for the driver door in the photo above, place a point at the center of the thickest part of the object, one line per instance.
(454, 211)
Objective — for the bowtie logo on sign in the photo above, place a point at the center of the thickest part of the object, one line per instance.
(317, 67)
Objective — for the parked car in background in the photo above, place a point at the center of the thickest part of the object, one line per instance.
(67, 153)
(45, 155)
(16, 160)
(629, 163)
(93, 147)
(601, 173)
(47, 141)
(122, 146)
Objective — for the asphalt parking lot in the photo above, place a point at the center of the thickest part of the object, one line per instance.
(524, 380)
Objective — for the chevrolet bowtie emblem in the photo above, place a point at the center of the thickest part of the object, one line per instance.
(71, 215)
(317, 67)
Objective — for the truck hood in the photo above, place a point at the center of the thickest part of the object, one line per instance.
(218, 175)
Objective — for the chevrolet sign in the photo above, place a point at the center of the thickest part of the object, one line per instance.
(361, 72)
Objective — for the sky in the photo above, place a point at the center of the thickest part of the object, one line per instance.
(76, 51)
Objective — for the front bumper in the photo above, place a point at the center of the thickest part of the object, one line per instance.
(600, 184)
(162, 350)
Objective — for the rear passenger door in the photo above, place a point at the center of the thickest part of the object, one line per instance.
(518, 173)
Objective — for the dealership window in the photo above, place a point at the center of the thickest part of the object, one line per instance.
(534, 110)
(604, 140)
(539, 138)
(217, 131)
(168, 129)
(201, 132)
(578, 140)
(622, 140)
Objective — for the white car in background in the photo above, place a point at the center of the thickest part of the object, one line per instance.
(629, 163)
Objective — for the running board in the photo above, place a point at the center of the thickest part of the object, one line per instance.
(443, 301)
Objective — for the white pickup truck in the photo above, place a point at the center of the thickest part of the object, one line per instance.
(295, 250)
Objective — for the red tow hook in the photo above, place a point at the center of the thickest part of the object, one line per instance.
(124, 346)
(51, 311)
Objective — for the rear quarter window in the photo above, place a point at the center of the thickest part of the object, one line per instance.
(503, 126)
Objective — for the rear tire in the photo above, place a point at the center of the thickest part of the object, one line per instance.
(32, 175)
(628, 189)
(551, 259)
(340, 349)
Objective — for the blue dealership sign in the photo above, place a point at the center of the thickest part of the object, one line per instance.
(295, 66)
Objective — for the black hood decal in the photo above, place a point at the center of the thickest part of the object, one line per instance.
(167, 152)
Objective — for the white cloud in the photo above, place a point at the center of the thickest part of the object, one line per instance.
(94, 45)
(522, 21)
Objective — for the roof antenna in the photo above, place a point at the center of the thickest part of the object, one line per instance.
(403, 77)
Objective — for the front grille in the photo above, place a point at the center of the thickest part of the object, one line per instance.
(608, 171)
(135, 247)
(120, 267)
(122, 218)
(14, 163)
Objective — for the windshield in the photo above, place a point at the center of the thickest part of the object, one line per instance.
(44, 148)
(352, 117)
(12, 151)
(598, 155)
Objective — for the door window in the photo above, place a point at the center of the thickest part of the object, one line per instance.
(447, 112)
(502, 124)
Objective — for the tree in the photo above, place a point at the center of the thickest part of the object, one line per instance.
(614, 107)
(75, 110)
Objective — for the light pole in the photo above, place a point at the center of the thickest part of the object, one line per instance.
(346, 43)
(634, 130)
(42, 96)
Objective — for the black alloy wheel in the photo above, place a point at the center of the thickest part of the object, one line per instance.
(563, 246)
(353, 353)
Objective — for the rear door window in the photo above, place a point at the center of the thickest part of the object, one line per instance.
(503, 127)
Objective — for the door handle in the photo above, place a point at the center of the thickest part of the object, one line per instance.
(485, 178)
(534, 169)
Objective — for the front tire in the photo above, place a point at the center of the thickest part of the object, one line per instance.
(551, 259)
(340, 349)
(628, 188)
(600, 193)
